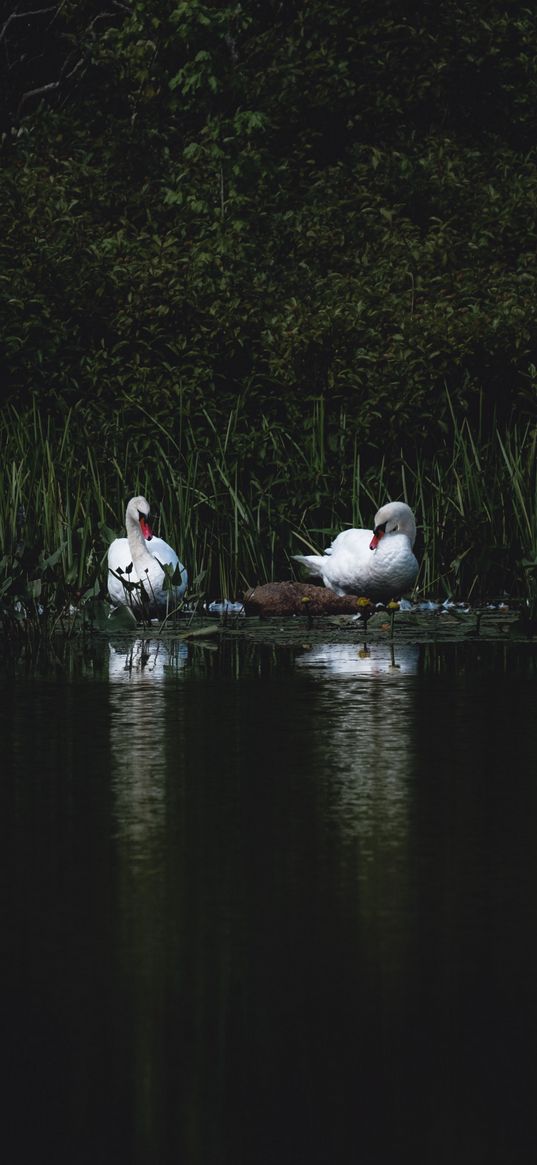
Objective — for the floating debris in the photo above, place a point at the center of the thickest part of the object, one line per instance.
(225, 607)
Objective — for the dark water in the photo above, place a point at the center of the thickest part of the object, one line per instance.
(270, 906)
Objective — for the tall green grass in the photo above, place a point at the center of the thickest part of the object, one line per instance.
(237, 502)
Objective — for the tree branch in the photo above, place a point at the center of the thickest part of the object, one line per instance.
(24, 16)
(36, 93)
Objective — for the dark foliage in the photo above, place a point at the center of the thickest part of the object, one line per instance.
(288, 206)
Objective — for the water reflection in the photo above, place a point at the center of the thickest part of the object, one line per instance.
(138, 672)
(262, 906)
(365, 739)
(366, 748)
(339, 659)
(142, 659)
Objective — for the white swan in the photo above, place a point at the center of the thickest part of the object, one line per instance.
(378, 564)
(140, 558)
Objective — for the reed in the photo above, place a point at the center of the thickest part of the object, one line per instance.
(237, 503)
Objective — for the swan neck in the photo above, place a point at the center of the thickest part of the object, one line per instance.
(136, 540)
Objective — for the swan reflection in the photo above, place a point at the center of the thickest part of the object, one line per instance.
(142, 700)
(379, 659)
(142, 659)
(365, 745)
(138, 671)
(136, 743)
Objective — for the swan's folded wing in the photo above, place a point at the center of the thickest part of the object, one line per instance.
(352, 541)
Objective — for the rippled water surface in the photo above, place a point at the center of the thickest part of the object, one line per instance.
(267, 905)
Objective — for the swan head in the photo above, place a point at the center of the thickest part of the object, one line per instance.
(393, 518)
(138, 512)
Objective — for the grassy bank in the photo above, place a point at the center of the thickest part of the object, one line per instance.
(236, 503)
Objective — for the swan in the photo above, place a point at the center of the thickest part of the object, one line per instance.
(140, 558)
(375, 563)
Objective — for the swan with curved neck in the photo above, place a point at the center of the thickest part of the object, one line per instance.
(140, 559)
(376, 563)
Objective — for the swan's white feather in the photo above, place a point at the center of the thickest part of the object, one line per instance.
(350, 566)
(145, 558)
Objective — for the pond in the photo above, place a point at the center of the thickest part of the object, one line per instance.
(270, 904)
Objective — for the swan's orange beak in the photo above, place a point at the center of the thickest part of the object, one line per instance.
(146, 529)
(378, 533)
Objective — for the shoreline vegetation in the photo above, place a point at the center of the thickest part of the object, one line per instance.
(65, 483)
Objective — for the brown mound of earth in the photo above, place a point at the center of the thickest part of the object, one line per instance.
(295, 598)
